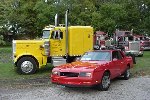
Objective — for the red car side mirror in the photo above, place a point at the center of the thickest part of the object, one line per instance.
(114, 59)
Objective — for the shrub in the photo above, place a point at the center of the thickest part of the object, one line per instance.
(2, 42)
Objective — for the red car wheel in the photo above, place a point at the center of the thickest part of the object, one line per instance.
(105, 82)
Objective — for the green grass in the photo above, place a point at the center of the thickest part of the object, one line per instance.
(142, 67)
(5, 49)
(8, 71)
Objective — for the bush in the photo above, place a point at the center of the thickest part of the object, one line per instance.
(2, 42)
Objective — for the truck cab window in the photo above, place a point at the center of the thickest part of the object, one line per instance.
(131, 38)
(46, 34)
(57, 35)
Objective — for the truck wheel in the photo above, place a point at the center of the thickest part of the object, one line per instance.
(105, 82)
(96, 47)
(27, 65)
(126, 74)
(141, 55)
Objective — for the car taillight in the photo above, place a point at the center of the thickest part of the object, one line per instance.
(47, 48)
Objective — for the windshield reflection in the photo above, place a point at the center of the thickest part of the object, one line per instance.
(100, 55)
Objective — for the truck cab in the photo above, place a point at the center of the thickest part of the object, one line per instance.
(125, 39)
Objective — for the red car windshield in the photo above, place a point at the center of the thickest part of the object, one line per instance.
(98, 55)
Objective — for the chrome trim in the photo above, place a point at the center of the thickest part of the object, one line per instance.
(47, 48)
(13, 48)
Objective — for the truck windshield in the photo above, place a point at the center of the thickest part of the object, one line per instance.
(46, 34)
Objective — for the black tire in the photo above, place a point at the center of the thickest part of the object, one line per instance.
(126, 74)
(27, 65)
(105, 82)
(96, 47)
(141, 55)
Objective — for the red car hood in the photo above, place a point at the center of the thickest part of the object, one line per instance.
(81, 65)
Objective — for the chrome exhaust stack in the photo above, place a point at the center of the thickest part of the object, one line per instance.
(66, 25)
(56, 20)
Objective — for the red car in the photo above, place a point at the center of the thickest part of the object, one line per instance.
(95, 68)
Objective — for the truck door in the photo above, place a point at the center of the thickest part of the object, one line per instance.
(57, 43)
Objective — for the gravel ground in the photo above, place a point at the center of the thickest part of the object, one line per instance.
(132, 89)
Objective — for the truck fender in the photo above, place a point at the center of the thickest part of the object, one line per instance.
(25, 55)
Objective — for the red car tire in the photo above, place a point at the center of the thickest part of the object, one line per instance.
(105, 82)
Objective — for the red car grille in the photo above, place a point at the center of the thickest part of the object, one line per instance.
(69, 74)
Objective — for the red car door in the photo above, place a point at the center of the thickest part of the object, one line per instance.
(118, 63)
(115, 65)
(123, 65)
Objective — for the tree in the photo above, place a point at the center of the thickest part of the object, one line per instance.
(31, 16)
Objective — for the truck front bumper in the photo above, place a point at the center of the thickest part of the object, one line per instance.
(146, 48)
(136, 53)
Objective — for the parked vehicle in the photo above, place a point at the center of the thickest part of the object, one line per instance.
(125, 39)
(95, 68)
(144, 41)
(101, 40)
(58, 45)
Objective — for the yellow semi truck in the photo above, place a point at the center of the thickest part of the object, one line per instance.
(59, 44)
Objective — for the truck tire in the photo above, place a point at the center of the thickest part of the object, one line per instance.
(96, 47)
(105, 82)
(141, 55)
(126, 74)
(26, 65)
(133, 58)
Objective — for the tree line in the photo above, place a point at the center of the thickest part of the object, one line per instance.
(29, 17)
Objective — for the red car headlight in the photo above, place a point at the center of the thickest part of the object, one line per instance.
(85, 74)
(55, 73)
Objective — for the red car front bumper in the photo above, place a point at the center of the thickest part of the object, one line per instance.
(73, 81)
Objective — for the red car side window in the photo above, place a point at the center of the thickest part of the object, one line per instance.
(117, 55)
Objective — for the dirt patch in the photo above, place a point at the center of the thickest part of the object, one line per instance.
(24, 83)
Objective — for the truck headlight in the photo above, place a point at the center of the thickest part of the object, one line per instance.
(85, 74)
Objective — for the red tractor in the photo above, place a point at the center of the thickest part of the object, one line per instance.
(125, 40)
(101, 40)
(144, 41)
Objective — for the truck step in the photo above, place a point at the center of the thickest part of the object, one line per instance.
(56, 61)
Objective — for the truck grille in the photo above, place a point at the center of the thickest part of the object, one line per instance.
(134, 45)
(69, 74)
